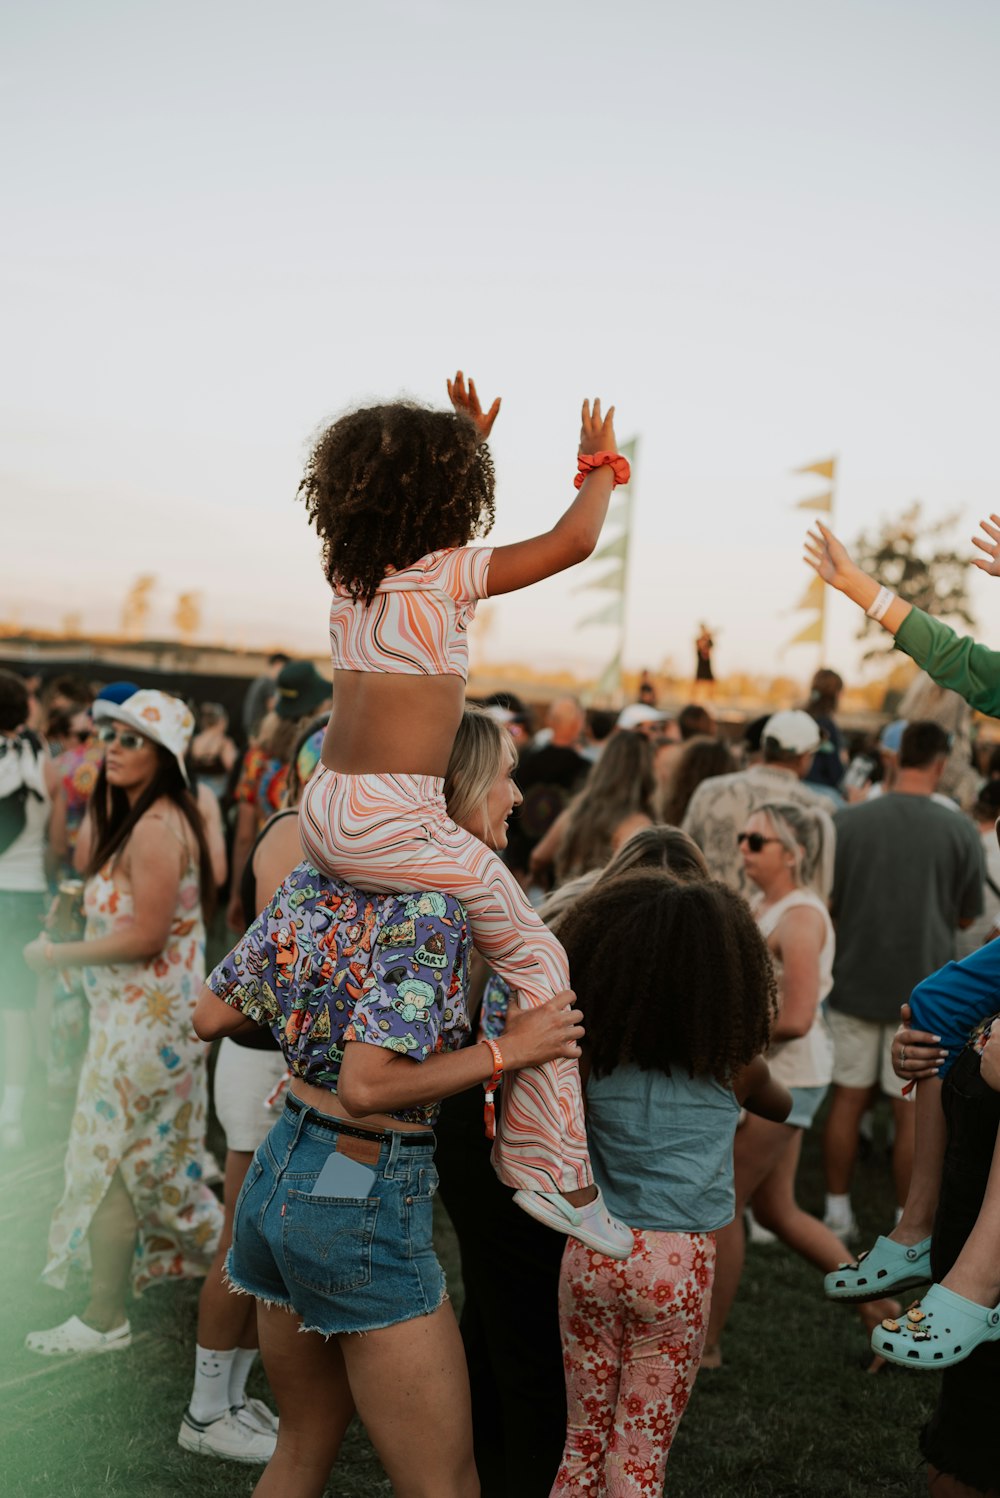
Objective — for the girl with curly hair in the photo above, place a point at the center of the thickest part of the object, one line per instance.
(396, 492)
(678, 994)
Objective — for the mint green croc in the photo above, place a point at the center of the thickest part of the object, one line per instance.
(939, 1331)
(886, 1268)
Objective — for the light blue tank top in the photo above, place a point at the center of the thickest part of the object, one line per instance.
(662, 1148)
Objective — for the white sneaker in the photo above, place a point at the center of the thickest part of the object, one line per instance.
(592, 1224)
(231, 1436)
(75, 1336)
(255, 1412)
(756, 1233)
(845, 1228)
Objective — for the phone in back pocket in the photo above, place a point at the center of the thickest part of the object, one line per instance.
(342, 1176)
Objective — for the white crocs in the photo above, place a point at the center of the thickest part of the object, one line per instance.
(75, 1336)
(592, 1224)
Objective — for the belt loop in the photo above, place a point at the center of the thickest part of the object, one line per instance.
(303, 1113)
(394, 1147)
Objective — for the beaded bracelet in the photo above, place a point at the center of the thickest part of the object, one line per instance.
(490, 1087)
(618, 464)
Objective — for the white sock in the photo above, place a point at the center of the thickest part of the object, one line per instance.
(838, 1207)
(12, 1106)
(243, 1360)
(210, 1397)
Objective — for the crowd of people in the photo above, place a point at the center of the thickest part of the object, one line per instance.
(594, 976)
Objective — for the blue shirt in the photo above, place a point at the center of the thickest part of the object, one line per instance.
(662, 1148)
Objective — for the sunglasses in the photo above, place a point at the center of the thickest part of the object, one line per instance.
(755, 841)
(109, 735)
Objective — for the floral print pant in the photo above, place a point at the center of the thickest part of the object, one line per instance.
(632, 1335)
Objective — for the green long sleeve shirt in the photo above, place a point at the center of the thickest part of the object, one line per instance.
(952, 660)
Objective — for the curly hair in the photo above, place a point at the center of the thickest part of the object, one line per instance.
(620, 785)
(669, 973)
(701, 759)
(386, 485)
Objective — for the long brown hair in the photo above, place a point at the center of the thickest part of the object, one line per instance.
(701, 759)
(619, 785)
(115, 820)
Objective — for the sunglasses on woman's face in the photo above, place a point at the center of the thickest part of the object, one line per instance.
(109, 735)
(755, 841)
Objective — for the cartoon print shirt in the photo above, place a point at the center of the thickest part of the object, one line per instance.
(325, 963)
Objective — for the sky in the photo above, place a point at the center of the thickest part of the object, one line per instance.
(769, 233)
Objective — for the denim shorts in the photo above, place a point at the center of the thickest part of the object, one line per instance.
(806, 1103)
(342, 1263)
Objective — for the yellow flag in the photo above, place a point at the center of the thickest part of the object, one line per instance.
(814, 597)
(826, 470)
(812, 634)
(819, 502)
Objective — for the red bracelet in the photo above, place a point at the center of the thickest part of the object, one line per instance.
(618, 464)
(489, 1112)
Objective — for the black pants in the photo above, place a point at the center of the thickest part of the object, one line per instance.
(510, 1320)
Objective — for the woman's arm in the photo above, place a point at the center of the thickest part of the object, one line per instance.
(951, 660)
(799, 939)
(57, 847)
(246, 822)
(213, 1017)
(576, 532)
(215, 835)
(376, 1080)
(155, 875)
(830, 558)
(759, 1093)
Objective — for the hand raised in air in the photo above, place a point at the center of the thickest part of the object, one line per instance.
(827, 556)
(466, 403)
(597, 432)
(991, 562)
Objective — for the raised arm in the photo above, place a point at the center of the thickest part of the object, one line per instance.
(953, 661)
(576, 532)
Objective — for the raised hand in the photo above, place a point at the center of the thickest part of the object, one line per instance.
(466, 403)
(828, 556)
(597, 432)
(991, 562)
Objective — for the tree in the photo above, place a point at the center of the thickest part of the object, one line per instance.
(914, 560)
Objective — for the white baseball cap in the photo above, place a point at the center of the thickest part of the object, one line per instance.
(637, 713)
(794, 731)
(166, 720)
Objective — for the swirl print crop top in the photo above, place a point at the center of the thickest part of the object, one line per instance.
(417, 623)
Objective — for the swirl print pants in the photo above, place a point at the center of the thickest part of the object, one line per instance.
(633, 1335)
(392, 834)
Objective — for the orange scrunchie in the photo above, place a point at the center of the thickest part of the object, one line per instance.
(618, 464)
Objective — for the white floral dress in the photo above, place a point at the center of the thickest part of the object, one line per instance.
(142, 1100)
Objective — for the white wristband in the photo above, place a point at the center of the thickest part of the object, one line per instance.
(883, 602)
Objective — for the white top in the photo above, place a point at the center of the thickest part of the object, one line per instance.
(806, 1061)
(22, 865)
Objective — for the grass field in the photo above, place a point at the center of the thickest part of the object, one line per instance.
(790, 1414)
